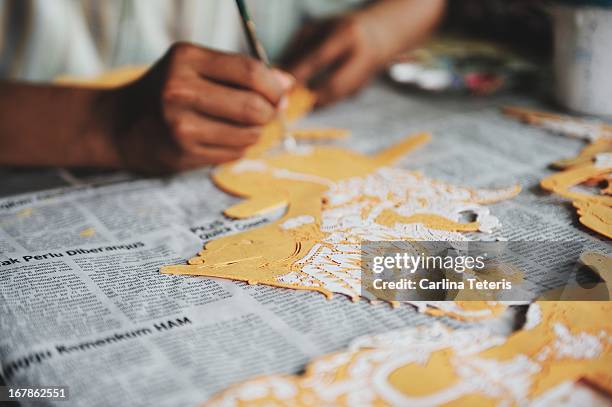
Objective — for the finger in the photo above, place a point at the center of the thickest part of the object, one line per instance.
(223, 102)
(202, 155)
(347, 79)
(329, 51)
(192, 129)
(247, 73)
(199, 157)
(301, 42)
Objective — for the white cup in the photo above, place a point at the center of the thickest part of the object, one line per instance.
(583, 58)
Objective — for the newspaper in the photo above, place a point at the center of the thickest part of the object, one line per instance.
(83, 305)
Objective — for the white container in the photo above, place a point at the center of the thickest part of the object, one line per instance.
(583, 58)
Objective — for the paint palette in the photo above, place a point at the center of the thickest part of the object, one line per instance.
(451, 64)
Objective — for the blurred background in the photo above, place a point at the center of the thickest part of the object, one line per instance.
(41, 40)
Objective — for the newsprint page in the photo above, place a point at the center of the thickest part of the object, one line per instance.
(83, 304)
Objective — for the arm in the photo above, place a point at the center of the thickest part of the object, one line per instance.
(194, 107)
(342, 54)
(51, 125)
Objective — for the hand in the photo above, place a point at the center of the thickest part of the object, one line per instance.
(337, 57)
(195, 107)
(341, 56)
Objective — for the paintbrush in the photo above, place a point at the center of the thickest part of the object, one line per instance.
(258, 51)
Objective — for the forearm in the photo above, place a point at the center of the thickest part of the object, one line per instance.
(398, 25)
(43, 125)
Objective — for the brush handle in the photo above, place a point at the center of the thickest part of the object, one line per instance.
(255, 46)
(259, 52)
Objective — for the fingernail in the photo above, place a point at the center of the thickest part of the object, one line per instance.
(284, 102)
(286, 80)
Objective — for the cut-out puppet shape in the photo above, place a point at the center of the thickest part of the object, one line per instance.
(334, 200)
(595, 211)
(561, 344)
(592, 166)
(601, 265)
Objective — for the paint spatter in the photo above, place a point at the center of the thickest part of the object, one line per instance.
(88, 232)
